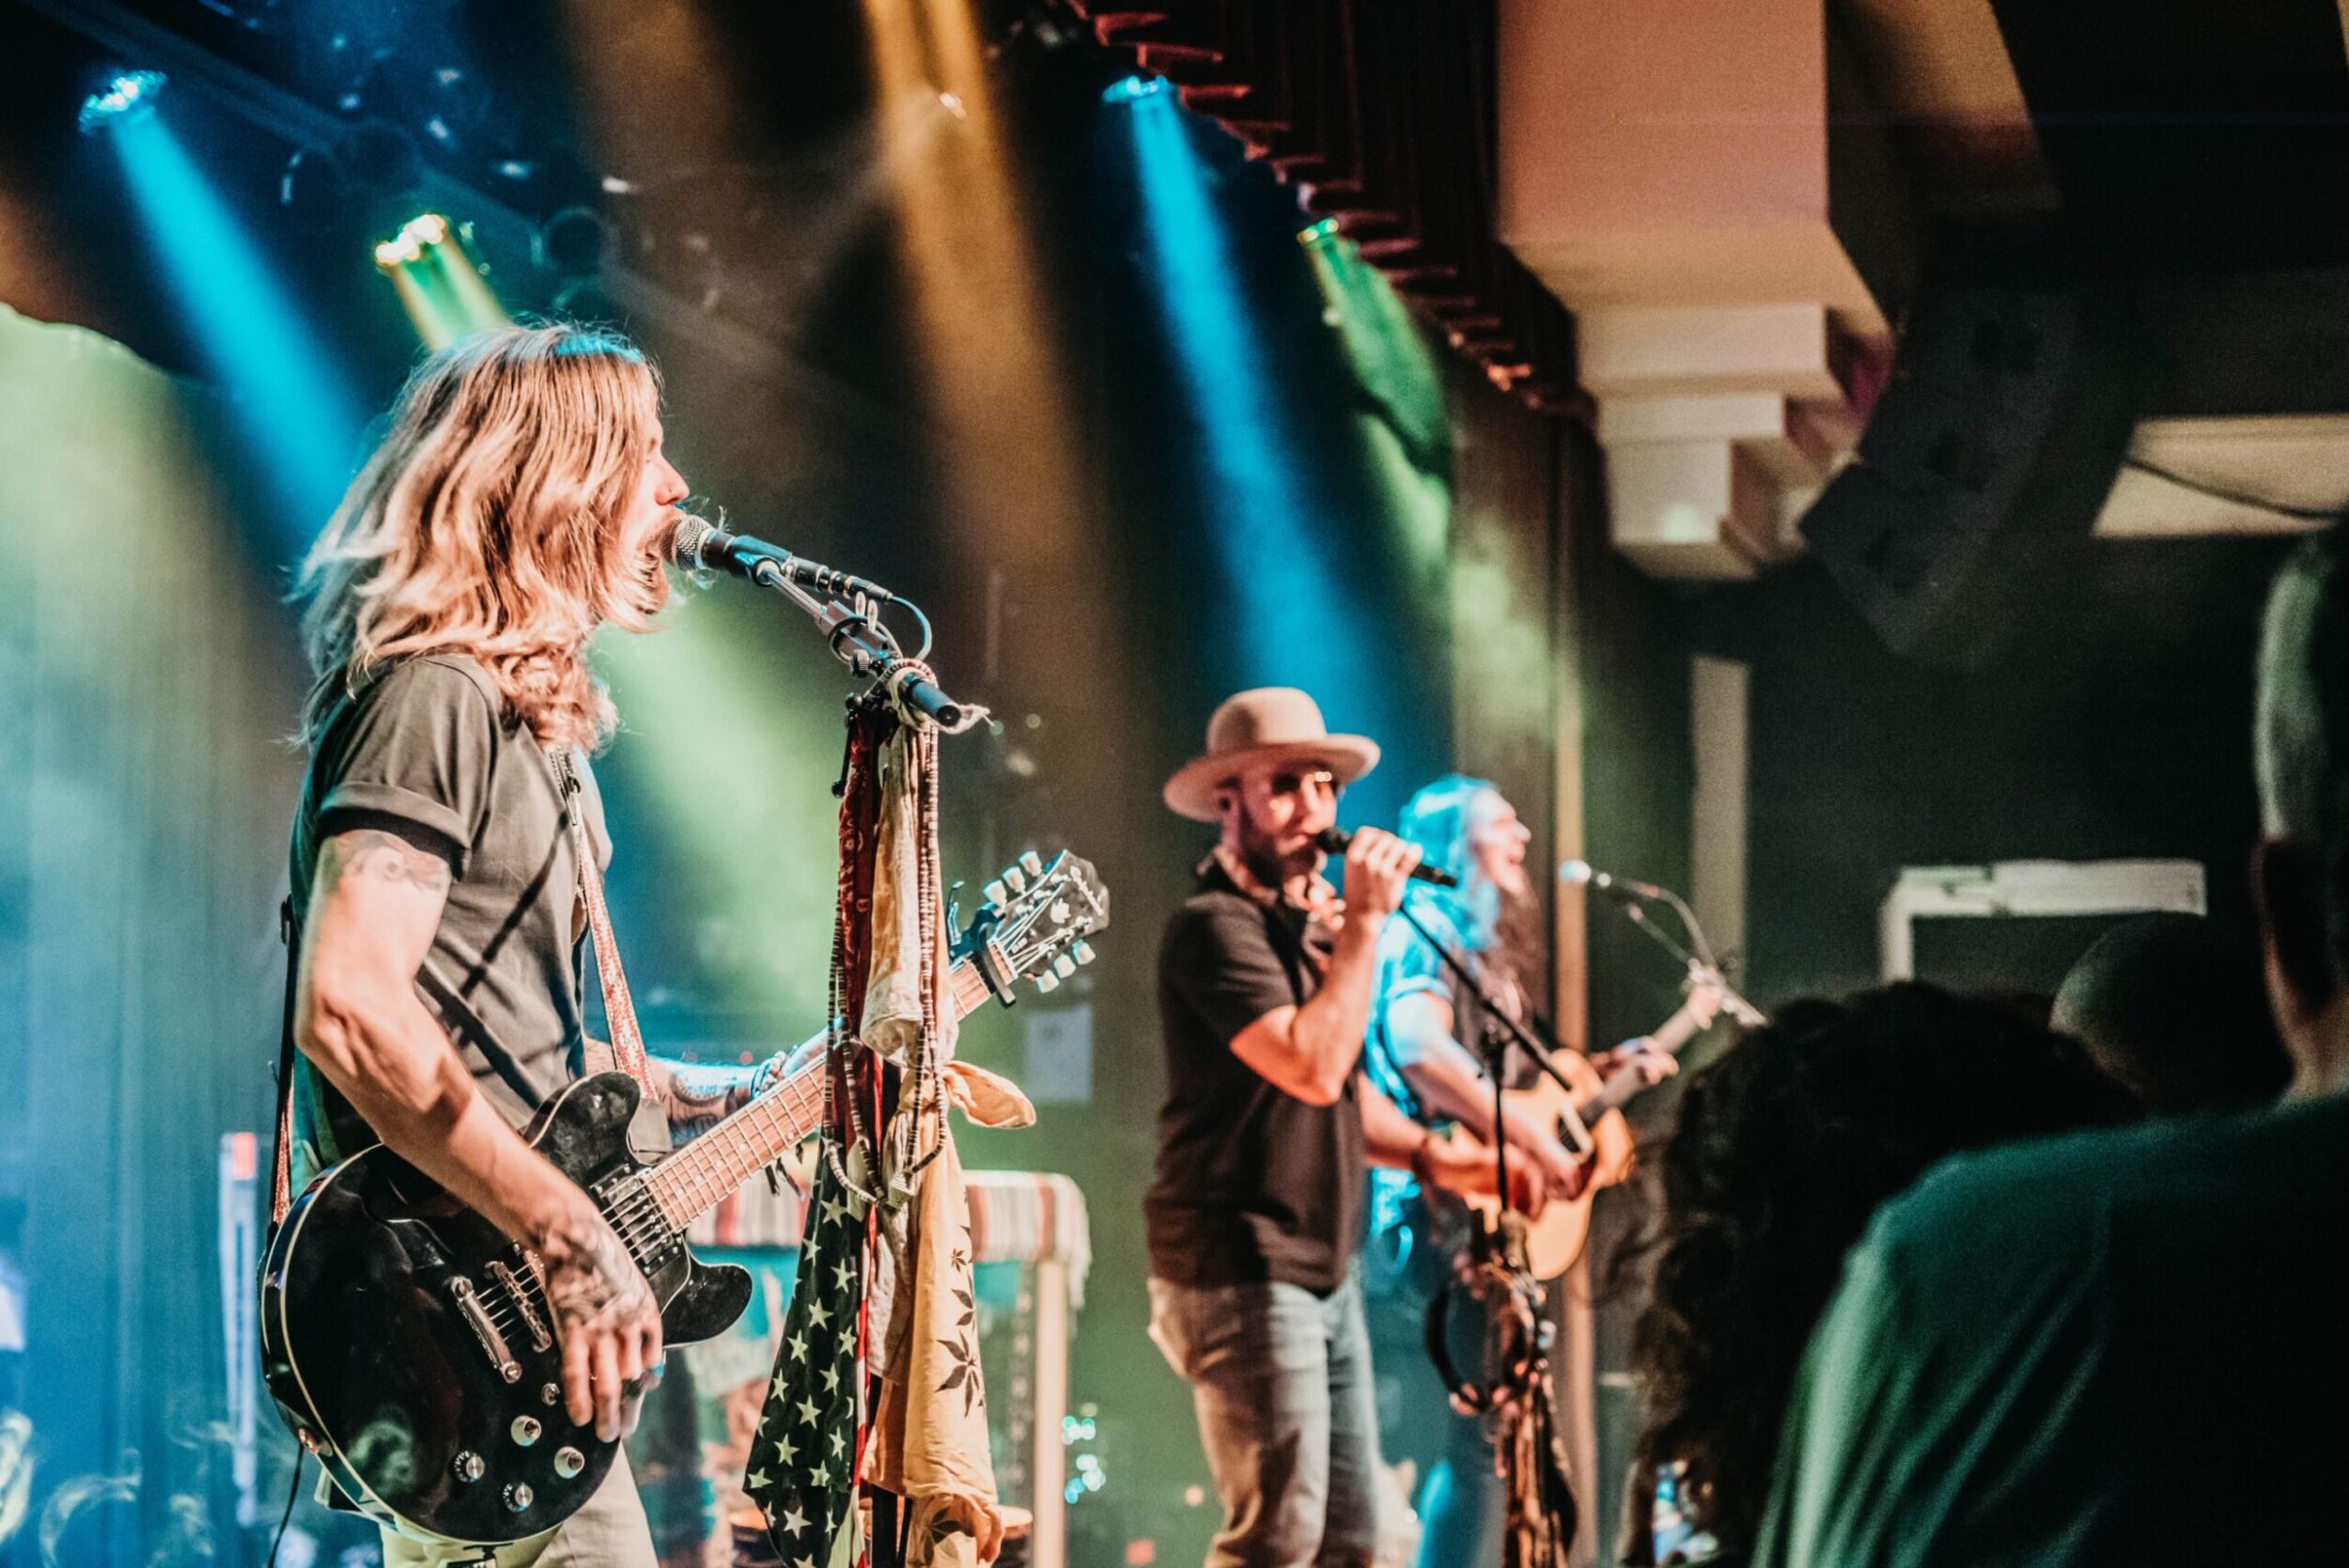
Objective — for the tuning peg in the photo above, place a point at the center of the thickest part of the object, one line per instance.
(995, 894)
(1063, 966)
(1048, 980)
(1015, 879)
(1032, 863)
(1082, 952)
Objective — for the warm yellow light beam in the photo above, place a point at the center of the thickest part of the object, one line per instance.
(1016, 493)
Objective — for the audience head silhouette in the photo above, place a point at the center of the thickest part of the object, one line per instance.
(2173, 1008)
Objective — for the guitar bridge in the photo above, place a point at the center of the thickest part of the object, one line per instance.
(526, 1308)
(476, 1317)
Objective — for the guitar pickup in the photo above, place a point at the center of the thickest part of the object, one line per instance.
(526, 1308)
(477, 1317)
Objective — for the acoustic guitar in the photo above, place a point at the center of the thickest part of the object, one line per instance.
(1597, 1130)
(408, 1342)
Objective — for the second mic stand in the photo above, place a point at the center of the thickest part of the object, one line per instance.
(1496, 1051)
(1541, 1508)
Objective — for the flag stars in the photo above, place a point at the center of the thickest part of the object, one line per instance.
(807, 1411)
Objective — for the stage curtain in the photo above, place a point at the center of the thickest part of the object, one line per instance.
(148, 676)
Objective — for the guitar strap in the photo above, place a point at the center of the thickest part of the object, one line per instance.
(281, 1177)
(619, 1008)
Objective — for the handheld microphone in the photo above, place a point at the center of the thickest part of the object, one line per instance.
(1333, 841)
(699, 545)
(1582, 873)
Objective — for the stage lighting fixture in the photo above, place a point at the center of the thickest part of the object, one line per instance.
(1133, 89)
(416, 236)
(128, 96)
(572, 242)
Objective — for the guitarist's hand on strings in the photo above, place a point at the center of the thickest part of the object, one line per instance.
(605, 1316)
(1565, 1174)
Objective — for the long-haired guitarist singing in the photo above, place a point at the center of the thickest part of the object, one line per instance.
(1427, 1052)
(519, 499)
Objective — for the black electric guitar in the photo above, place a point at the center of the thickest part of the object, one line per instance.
(407, 1342)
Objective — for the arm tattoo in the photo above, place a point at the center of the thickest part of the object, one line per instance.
(698, 1095)
(384, 856)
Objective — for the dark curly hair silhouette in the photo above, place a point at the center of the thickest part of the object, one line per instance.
(1782, 1150)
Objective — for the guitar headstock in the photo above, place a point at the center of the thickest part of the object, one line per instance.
(1034, 922)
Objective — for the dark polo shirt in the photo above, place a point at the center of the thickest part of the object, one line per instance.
(1253, 1183)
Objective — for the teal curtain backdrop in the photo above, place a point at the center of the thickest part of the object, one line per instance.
(148, 675)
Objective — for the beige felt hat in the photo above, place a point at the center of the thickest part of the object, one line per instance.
(1269, 726)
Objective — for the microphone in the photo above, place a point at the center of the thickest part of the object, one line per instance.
(1582, 873)
(700, 545)
(1333, 841)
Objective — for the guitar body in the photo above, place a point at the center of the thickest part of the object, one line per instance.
(408, 1345)
(1556, 1237)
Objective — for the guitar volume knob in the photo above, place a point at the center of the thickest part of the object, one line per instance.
(467, 1466)
(569, 1462)
(519, 1497)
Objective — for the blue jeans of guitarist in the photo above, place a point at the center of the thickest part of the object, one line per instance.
(1281, 1382)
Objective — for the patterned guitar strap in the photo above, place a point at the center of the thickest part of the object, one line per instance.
(619, 1008)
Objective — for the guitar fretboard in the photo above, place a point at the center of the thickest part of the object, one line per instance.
(697, 1176)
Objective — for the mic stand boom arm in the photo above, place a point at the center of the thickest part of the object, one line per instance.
(871, 653)
(1494, 1051)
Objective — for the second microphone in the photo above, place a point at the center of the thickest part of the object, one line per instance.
(1335, 840)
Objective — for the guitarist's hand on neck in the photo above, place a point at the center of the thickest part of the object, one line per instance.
(605, 1316)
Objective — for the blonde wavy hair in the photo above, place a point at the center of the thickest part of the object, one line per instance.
(488, 522)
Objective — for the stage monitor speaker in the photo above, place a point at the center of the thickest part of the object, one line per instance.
(1982, 468)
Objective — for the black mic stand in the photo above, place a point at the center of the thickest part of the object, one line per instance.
(1496, 1051)
(1542, 1513)
(870, 650)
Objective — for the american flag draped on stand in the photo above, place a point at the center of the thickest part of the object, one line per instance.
(803, 1465)
(803, 1469)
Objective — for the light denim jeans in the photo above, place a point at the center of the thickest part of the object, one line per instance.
(1281, 1378)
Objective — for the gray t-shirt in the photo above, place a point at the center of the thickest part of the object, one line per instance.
(427, 749)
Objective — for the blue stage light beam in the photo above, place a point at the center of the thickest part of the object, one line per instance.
(297, 413)
(1271, 535)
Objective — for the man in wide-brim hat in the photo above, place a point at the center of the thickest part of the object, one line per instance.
(1264, 983)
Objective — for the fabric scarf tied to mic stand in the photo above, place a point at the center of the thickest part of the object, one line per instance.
(884, 1282)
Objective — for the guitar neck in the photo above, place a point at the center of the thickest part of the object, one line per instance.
(1626, 1083)
(698, 1177)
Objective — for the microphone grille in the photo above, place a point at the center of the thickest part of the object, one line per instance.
(1573, 874)
(692, 536)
